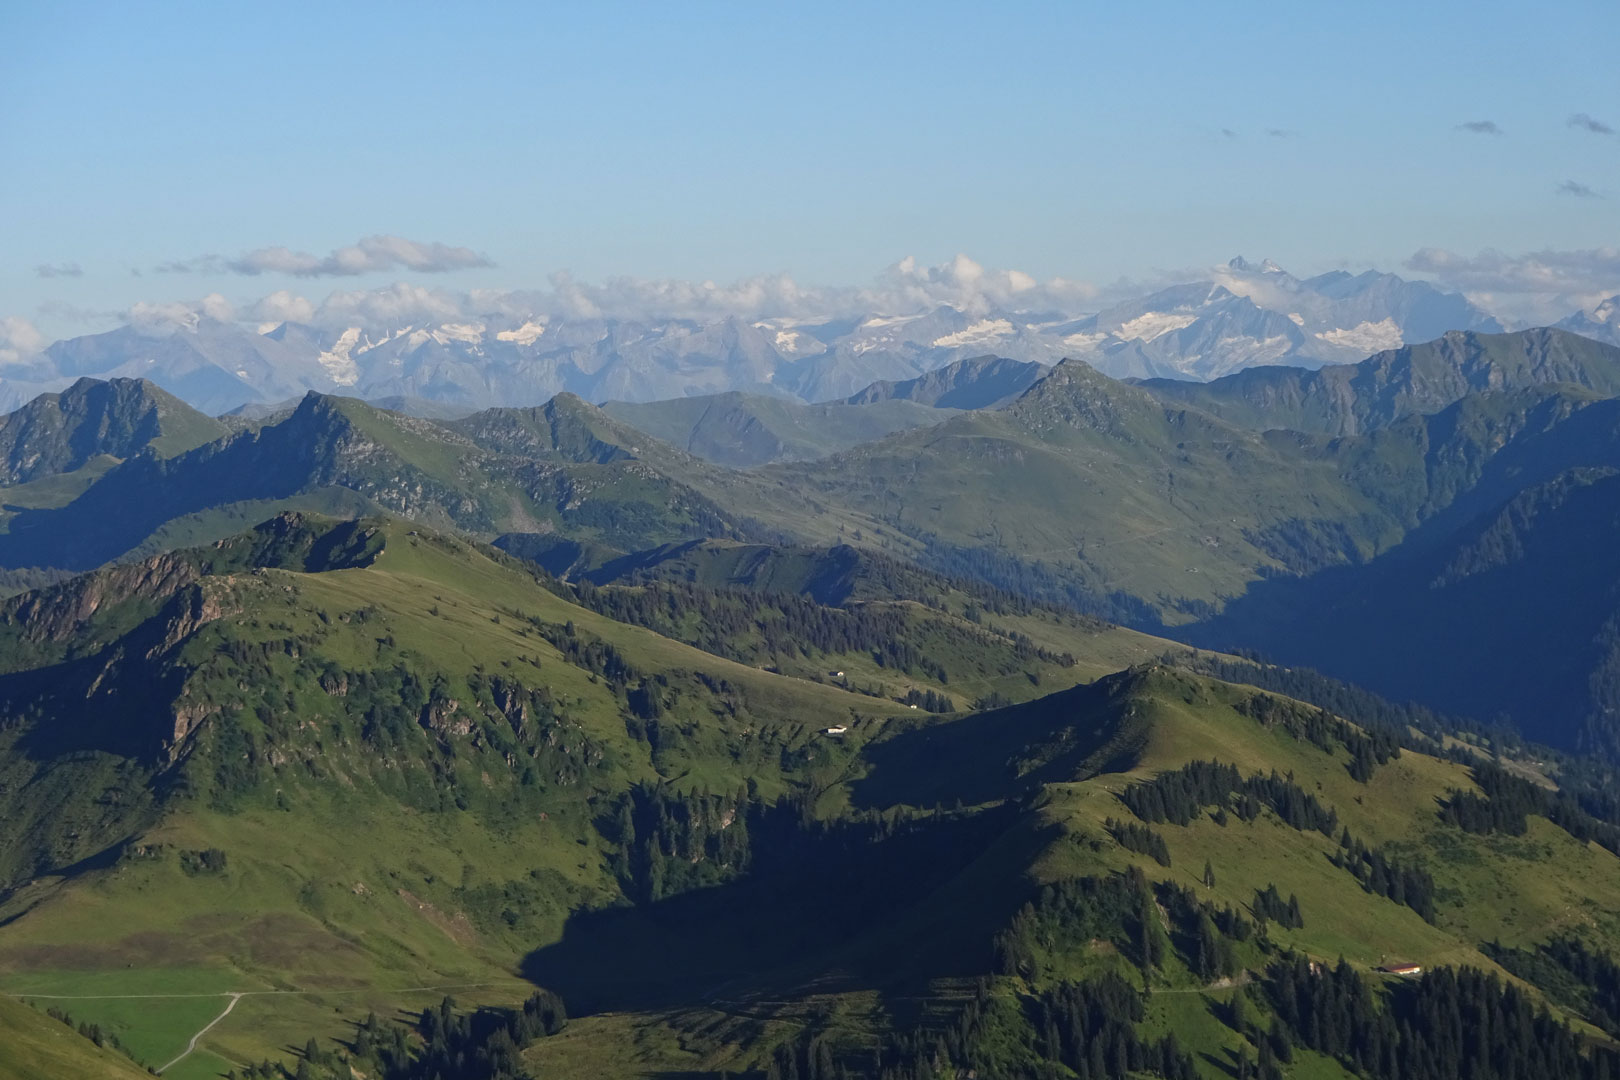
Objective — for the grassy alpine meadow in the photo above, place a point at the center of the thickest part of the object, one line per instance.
(417, 768)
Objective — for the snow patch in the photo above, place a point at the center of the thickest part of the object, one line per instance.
(787, 341)
(1298, 319)
(1084, 341)
(879, 321)
(468, 333)
(266, 327)
(336, 361)
(983, 332)
(1368, 337)
(527, 334)
(1154, 324)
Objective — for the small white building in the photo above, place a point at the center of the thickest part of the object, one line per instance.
(837, 730)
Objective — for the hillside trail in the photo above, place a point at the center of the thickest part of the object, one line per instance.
(1226, 982)
(192, 1045)
(236, 996)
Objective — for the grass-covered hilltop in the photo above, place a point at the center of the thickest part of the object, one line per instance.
(1014, 722)
(332, 772)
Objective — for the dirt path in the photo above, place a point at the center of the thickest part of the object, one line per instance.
(238, 995)
(192, 1045)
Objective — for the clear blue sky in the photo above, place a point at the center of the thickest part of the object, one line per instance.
(722, 140)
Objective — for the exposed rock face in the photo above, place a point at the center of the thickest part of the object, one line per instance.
(58, 613)
(57, 433)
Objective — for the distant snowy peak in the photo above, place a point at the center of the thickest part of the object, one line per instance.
(530, 332)
(1602, 323)
(1249, 314)
(1241, 314)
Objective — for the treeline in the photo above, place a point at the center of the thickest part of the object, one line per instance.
(749, 626)
(1368, 748)
(1180, 796)
(929, 700)
(97, 1034)
(1269, 905)
(1359, 706)
(1087, 1029)
(670, 843)
(1382, 876)
(1446, 1025)
(1123, 910)
(1140, 839)
(401, 713)
(1505, 803)
(483, 1044)
(1579, 978)
(1118, 909)
(1207, 937)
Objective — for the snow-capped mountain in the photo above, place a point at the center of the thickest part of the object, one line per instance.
(1243, 315)
(1602, 323)
(1249, 315)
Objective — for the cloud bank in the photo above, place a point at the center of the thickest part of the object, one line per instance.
(1480, 127)
(19, 340)
(370, 255)
(906, 287)
(1540, 286)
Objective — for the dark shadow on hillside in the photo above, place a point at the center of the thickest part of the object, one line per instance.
(845, 908)
(96, 703)
(1489, 607)
(1002, 753)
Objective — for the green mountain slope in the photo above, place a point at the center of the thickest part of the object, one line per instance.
(1349, 399)
(1511, 615)
(980, 382)
(352, 766)
(1085, 490)
(343, 456)
(59, 433)
(741, 430)
(390, 753)
(36, 1046)
(1097, 494)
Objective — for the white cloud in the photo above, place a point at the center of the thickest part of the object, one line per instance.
(58, 270)
(1540, 286)
(279, 307)
(370, 255)
(19, 339)
(395, 305)
(905, 288)
(162, 318)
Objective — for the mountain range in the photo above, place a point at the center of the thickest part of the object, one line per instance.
(881, 737)
(378, 784)
(1240, 316)
(1173, 507)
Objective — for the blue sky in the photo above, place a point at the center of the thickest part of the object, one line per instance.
(719, 141)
